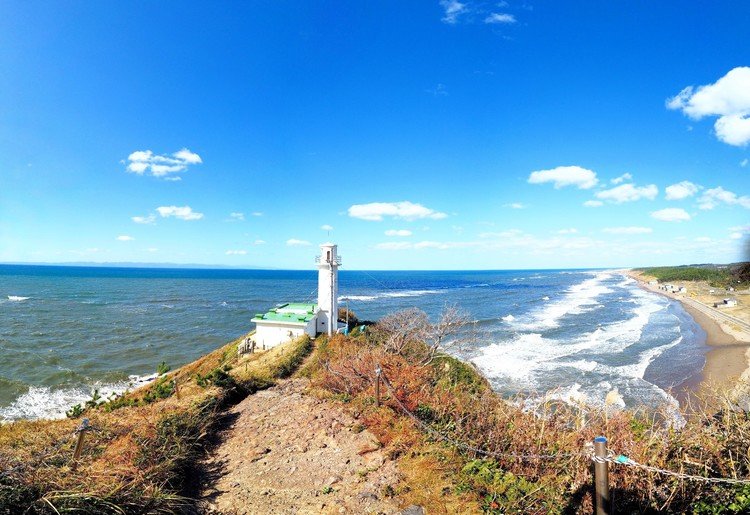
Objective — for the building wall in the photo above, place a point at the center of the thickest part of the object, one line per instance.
(269, 334)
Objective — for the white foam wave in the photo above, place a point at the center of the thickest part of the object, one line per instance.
(362, 298)
(575, 301)
(16, 298)
(508, 318)
(388, 294)
(43, 402)
(410, 293)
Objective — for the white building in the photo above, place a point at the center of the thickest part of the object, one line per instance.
(290, 320)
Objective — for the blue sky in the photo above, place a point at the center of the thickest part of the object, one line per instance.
(428, 135)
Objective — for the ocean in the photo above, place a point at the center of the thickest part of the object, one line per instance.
(569, 334)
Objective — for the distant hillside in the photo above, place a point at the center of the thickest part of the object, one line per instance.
(716, 275)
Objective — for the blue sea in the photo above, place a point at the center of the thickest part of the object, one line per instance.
(570, 334)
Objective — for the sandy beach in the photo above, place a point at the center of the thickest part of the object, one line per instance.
(728, 359)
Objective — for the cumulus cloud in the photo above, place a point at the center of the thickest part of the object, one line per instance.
(326, 227)
(681, 190)
(452, 9)
(183, 213)
(739, 232)
(628, 193)
(259, 242)
(376, 211)
(671, 214)
(562, 176)
(145, 220)
(502, 18)
(713, 197)
(624, 177)
(572, 230)
(515, 205)
(627, 230)
(257, 213)
(593, 203)
(293, 242)
(398, 232)
(728, 99)
(161, 165)
(236, 217)
(236, 252)
(125, 238)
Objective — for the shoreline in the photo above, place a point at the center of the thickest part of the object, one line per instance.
(727, 359)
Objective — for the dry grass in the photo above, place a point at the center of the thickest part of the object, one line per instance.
(451, 398)
(143, 450)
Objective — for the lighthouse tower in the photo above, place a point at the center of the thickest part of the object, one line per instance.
(328, 288)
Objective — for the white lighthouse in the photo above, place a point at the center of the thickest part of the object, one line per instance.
(328, 288)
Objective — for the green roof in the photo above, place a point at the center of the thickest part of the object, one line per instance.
(292, 313)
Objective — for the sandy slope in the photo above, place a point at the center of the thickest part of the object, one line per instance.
(288, 452)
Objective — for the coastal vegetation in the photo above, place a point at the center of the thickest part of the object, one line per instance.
(716, 275)
(142, 451)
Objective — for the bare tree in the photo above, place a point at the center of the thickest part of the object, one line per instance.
(410, 332)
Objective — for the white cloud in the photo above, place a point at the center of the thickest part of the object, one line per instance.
(715, 196)
(326, 227)
(500, 18)
(376, 211)
(627, 230)
(398, 232)
(125, 238)
(152, 249)
(236, 217)
(743, 163)
(145, 220)
(738, 232)
(160, 165)
(728, 99)
(452, 10)
(292, 242)
(681, 190)
(236, 252)
(183, 213)
(259, 242)
(567, 231)
(624, 177)
(628, 193)
(593, 203)
(563, 176)
(257, 213)
(515, 205)
(188, 157)
(671, 214)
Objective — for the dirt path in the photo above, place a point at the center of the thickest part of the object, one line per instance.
(288, 452)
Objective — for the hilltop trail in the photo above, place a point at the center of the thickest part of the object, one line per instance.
(289, 452)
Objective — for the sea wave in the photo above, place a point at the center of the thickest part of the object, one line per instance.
(576, 300)
(43, 402)
(388, 294)
(17, 298)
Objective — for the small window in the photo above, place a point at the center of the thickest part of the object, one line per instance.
(328, 255)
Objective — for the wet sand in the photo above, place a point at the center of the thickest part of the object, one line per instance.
(726, 361)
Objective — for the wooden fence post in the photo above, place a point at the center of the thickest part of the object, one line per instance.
(79, 443)
(378, 372)
(601, 477)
